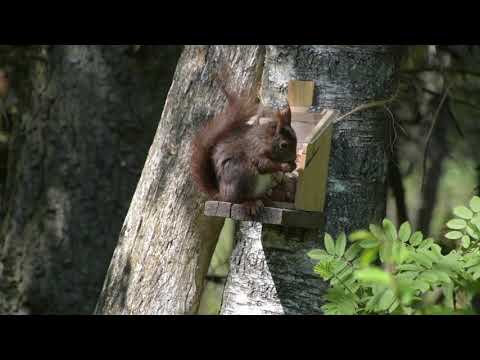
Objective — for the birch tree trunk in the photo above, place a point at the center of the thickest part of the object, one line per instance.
(166, 243)
(269, 271)
(76, 156)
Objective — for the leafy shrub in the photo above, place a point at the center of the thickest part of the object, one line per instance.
(385, 270)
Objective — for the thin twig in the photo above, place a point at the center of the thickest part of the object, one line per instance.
(458, 100)
(454, 118)
(430, 133)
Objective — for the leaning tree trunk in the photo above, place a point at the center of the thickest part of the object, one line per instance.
(76, 157)
(270, 273)
(166, 243)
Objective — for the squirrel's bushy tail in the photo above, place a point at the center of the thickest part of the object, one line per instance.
(238, 112)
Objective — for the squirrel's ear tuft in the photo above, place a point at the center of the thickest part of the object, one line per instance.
(284, 117)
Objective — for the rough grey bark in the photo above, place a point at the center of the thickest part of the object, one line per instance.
(166, 243)
(269, 273)
(76, 156)
(278, 279)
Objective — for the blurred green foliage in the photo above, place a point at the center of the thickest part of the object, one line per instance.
(386, 270)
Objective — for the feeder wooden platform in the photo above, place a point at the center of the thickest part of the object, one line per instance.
(282, 214)
(314, 134)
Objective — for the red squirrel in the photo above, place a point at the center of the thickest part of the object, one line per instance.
(231, 159)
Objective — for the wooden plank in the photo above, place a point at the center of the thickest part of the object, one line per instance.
(300, 95)
(313, 166)
(303, 124)
(326, 119)
(269, 215)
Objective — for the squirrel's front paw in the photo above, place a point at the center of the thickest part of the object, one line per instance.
(289, 167)
(253, 208)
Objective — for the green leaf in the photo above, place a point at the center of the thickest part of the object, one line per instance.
(443, 277)
(374, 276)
(324, 270)
(409, 267)
(390, 229)
(361, 235)
(451, 262)
(416, 238)
(405, 232)
(340, 302)
(407, 297)
(346, 274)
(316, 254)
(402, 255)
(421, 285)
(329, 244)
(368, 257)
(341, 244)
(454, 235)
(386, 301)
(394, 307)
(338, 265)
(476, 220)
(431, 254)
(369, 244)
(472, 232)
(463, 212)
(473, 261)
(427, 243)
(407, 276)
(372, 304)
(475, 271)
(353, 252)
(377, 232)
(466, 241)
(475, 204)
(429, 276)
(457, 224)
(422, 259)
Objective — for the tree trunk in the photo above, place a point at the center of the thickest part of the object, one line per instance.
(395, 183)
(270, 273)
(166, 243)
(76, 156)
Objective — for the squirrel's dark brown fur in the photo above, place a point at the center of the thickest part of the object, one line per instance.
(228, 154)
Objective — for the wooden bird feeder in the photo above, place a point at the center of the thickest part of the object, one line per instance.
(314, 134)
